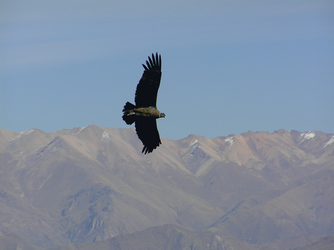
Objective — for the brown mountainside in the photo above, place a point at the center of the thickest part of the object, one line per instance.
(326, 243)
(91, 184)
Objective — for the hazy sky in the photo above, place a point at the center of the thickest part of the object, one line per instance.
(228, 66)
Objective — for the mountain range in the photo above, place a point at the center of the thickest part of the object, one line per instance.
(92, 187)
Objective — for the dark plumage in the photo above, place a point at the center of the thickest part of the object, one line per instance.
(145, 112)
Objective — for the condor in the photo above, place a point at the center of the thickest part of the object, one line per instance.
(145, 112)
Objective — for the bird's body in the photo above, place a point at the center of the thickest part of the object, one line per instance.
(151, 112)
(145, 112)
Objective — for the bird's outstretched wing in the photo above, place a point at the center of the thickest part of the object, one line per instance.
(147, 132)
(147, 88)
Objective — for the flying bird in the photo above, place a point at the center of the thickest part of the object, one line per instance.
(145, 112)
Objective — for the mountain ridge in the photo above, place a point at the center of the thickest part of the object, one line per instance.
(90, 184)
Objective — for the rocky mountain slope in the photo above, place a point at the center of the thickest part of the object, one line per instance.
(326, 243)
(91, 184)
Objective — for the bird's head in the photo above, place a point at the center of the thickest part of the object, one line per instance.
(162, 115)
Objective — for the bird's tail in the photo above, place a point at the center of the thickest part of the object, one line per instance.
(128, 113)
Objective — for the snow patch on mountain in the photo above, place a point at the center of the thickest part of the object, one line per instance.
(193, 146)
(27, 132)
(195, 142)
(230, 140)
(307, 136)
(80, 130)
(105, 137)
(330, 142)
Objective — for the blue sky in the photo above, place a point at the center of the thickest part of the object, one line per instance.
(228, 66)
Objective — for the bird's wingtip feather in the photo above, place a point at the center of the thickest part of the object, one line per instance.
(145, 67)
